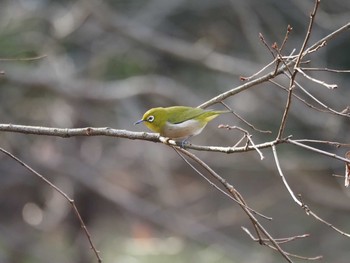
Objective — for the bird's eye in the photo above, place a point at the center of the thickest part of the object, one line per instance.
(150, 118)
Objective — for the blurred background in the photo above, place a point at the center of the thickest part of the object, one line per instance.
(105, 64)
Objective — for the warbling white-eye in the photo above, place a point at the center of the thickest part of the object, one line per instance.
(178, 122)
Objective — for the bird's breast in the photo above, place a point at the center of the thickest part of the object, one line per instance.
(182, 130)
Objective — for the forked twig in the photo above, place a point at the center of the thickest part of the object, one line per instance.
(281, 241)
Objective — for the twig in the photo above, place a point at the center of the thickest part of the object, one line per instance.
(308, 211)
(63, 194)
(347, 170)
(299, 98)
(288, 31)
(332, 155)
(319, 102)
(327, 69)
(293, 75)
(244, 78)
(299, 200)
(306, 39)
(271, 75)
(328, 86)
(336, 144)
(218, 188)
(279, 240)
(285, 113)
(283, 178)
(237, 196)
(246, 122)
(283, 240)
(262, 39)
(247, 135)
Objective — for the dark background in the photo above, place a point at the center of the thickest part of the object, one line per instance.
(105, 66)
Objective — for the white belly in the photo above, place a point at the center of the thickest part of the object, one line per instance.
(182, 130)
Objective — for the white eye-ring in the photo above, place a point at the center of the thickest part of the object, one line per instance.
(150, 118)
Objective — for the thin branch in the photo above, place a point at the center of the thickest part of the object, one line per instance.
(244, 78)
(243, 120)
(217, 187)
(271, 75)
(332, 155)
(319, 102)
(299, 98)
(335, 144)
(328, 86)
(288, 31)
(285, 113)
(247, 135)
(308, 211)
(237, 196)
(299, 200)
(326, 39)
(281, 241)
(347, 170)
(293, 75)
(262, 39)
(63, 194)
(283, 178)
(327, 69)
(306, 39)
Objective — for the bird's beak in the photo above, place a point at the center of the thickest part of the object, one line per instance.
(138, 122)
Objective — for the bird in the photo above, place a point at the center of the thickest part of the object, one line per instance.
(178, 122)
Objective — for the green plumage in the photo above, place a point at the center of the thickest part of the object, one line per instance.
(178, 114)
(178, 122)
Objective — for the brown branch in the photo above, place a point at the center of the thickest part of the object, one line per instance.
(328, 86)
(243, 120)
(306, 39)
(283, 240)
(271, 75)
(329, 110)
(332, 155)
(218, 188)
(285, 113)
(257, 225)
(308, 211)
(64, 195)
(299, 201)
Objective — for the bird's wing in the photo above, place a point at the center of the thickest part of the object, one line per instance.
(184, 114)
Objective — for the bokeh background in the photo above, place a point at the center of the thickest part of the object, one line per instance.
(106, 63)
